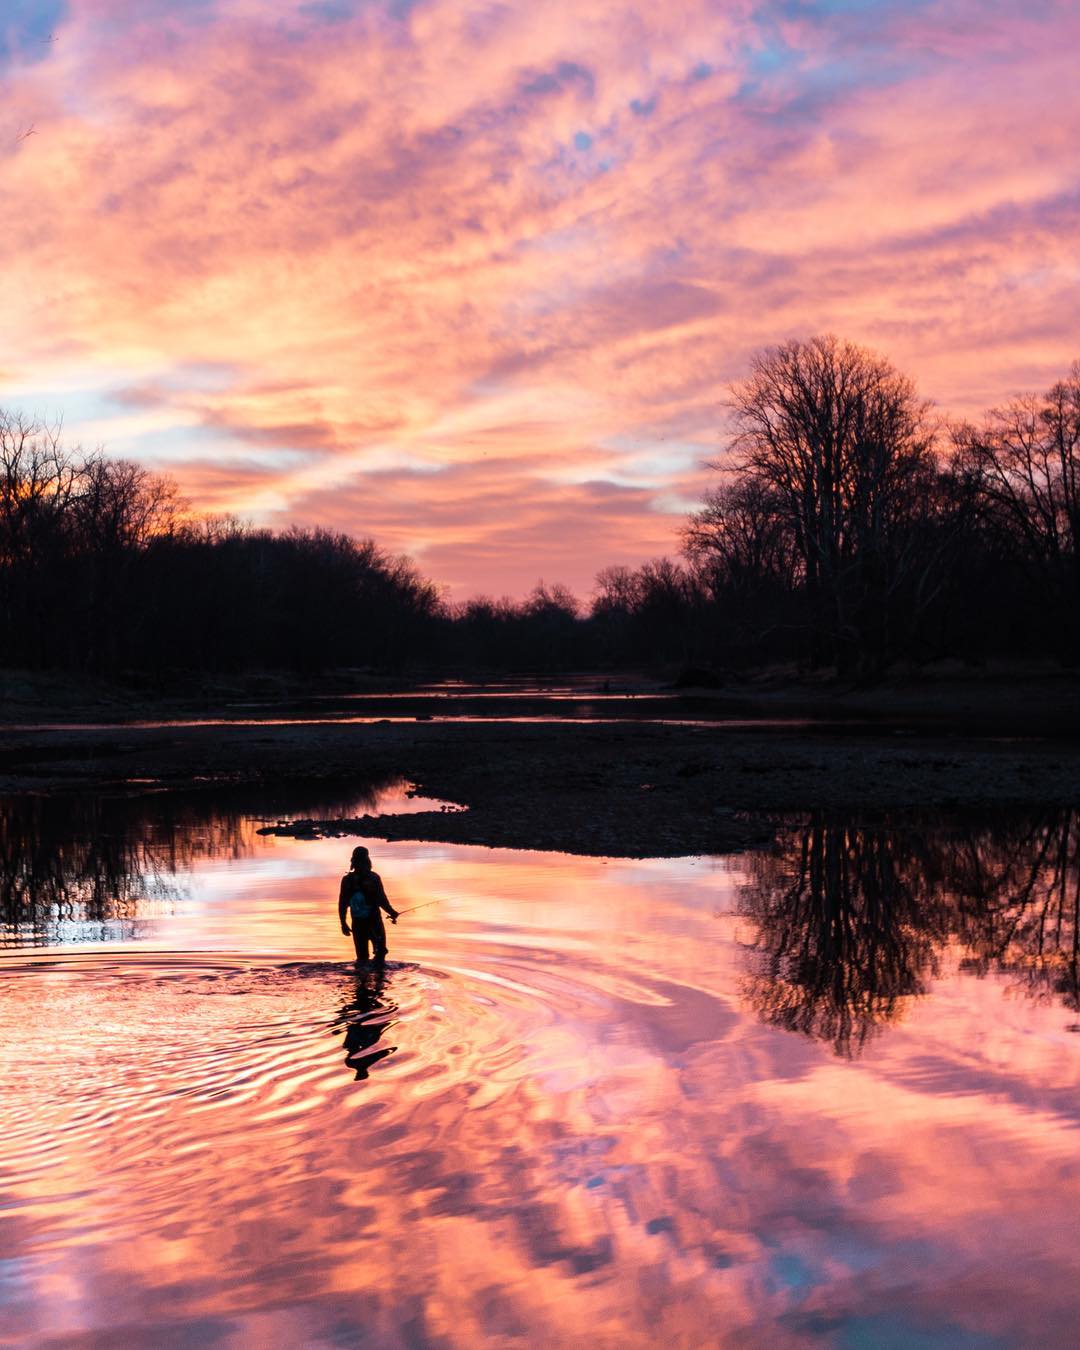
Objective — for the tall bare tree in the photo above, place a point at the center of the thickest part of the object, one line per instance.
(39, 482)
(842, 442)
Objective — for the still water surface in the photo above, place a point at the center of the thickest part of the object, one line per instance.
(821, 1095)
(585, 700)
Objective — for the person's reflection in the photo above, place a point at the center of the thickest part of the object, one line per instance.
(365, 1018)
(847, 930)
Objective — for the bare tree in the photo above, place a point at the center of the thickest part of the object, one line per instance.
(842, 442)
(742, 551)
(742, 532)
(1026, 457)
(121, 505)
(39, 480)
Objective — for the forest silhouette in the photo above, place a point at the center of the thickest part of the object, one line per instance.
(849, 528)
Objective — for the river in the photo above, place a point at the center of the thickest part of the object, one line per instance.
(822, 1094)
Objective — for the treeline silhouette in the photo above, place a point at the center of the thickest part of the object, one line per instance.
(101, 571)
(849, 529)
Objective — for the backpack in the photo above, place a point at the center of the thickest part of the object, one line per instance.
(361, 907)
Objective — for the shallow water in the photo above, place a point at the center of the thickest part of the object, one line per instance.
(337, 719)
(585, 701)
(821, 1095)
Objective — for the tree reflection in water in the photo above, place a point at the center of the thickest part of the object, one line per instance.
(852, 920)
(103, 863)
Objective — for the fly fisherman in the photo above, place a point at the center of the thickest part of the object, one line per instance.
(362, 897)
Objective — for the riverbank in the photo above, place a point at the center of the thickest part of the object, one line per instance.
(602, 788)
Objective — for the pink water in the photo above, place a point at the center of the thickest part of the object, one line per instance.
(824, 1095)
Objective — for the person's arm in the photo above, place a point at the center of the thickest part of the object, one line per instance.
(343, 904)
(380, 897)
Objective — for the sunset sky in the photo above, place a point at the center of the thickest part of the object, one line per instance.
(471, 277)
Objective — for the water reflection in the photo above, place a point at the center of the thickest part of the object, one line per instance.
(851, 917)
(78, 870)
(1019, 891)
(852, 920)
(99, 868)
(365, 1019)
(560, 1118)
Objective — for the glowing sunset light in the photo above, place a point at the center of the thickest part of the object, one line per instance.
(470, 278)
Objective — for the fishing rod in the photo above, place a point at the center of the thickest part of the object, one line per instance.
(414, 908)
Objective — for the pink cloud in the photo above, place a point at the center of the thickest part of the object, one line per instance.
(459, 235)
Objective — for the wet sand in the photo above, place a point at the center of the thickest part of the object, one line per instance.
(626, 789)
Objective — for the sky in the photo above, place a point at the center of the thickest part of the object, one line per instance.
(472, 278)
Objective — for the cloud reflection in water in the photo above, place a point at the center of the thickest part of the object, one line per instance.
(571, 1102)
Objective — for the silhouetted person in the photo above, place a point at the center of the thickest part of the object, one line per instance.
(361, 895)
